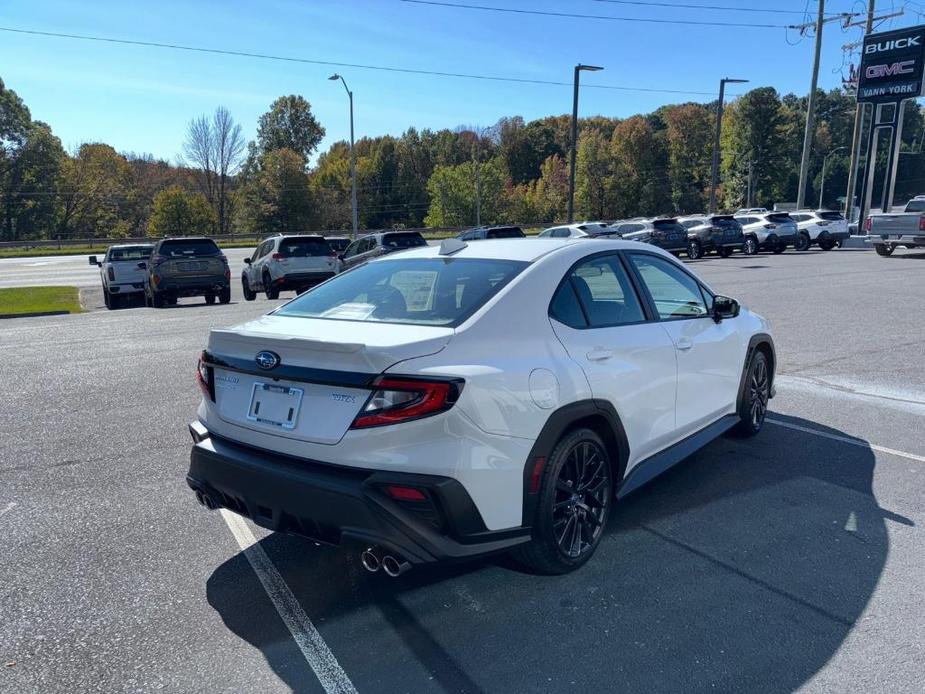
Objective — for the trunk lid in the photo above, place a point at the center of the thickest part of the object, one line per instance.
(325, 372)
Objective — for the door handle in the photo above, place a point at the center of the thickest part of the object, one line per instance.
(599, 354)
(684, 344)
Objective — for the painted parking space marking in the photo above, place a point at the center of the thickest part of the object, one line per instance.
(319, 657)
(845, 439)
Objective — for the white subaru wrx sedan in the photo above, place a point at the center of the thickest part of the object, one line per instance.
(460, 400)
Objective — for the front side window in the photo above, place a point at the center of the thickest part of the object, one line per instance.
(675, 293)
(423, 291)
(602, 292)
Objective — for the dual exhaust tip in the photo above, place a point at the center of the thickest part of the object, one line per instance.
(392, 566)
(206, 500)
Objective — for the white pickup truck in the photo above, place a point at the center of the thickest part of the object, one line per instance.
(123, 279)
(888, 230)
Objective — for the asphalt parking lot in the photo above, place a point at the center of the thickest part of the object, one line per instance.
(793, 560)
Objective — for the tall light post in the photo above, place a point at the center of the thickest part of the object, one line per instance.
(714, 177)
(574, 143)
(353, 158)
(822, 182)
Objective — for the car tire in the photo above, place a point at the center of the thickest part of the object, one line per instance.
(573, 505)
(828, 245)
(803, 243)
(148, 301)
(210, 299)
(726, 251)
(171, 301)
(884, 249)
(107, 298)
(249, 294)
(157, 300)
(778, 248)
(754, 406)
(271, 291)
(694, 249)
(224, 296)
(750, 246)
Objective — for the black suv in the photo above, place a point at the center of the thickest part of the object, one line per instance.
(186, 267)
(664, 232)
(718, 232)
(498, 232)
(381, 243)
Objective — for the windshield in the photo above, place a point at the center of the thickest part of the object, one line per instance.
(186, 249)
(427, 291)
(304, 247)
(410, 240)
(129, 253)
(915, 206)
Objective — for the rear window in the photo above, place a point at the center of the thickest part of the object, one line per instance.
(304, 247)
(724, 221)
(779, 218)
(409, 240)
(915, 206)
(425, 291)
(185, 249)
(835, 216)
(505, 233)
(130, 253)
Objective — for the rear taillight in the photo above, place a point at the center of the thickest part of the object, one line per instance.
(204, 377)
(770, 226)
(277, 256)
(823, 223)
(867, 224)
(111, 273)
(228, 274)
(922, 223)
(405, 493)
(400, 400)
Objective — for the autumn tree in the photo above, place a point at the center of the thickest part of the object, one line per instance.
(277, 200)
(289, 124)
(178, 212)
(689, 135)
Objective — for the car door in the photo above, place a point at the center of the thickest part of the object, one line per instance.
(709, 354)
(628, 359)
(350, 255)
(253, 277)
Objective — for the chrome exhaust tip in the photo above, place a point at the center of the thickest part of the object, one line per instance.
(369, 560)
(394, 567)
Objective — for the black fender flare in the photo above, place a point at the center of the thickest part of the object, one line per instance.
(607, 424)
(757, 340)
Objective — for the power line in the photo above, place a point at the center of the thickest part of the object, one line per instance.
(724, 8)
(310, 61)
(574, 15)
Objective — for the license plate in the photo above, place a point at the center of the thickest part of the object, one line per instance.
(275, 405)
(191, 267)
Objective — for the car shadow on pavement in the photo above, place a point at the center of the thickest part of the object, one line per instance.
(742, 569)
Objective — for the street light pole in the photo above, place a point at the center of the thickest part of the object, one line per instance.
(822, 182)
(353, 158)
(574, 140)
(810, 109)
(714, 177)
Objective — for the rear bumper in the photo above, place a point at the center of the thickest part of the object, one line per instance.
(779, 239)
(302, 279)
(193, 286)
(126, 288)
(914, 239)
(338, 505)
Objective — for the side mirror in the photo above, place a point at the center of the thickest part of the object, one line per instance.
(724, 307)
(142, 265)
(247, 261)
(94, 261)
(340, 256)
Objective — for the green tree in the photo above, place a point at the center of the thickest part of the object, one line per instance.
(453, 194)
(289, 124)
(593, 176)
(640, 169)
(180, 213)
(32, 201)
(96, 193)
(690, 141)
(278, 198)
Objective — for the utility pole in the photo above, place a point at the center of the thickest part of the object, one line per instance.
(810, 109)
(478, 180)
(714, 178)
(574, 139)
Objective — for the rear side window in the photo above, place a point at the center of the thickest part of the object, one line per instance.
(422, 291)
(836, 216)
(304, 247)
(779, 218)
(409, 240)
(186, 249)
(602, 292)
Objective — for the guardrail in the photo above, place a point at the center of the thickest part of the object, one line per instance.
(104, 242)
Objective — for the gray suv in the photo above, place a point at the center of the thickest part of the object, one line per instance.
(718, 232)
(381, 243)
(666, 233)
(186, 267)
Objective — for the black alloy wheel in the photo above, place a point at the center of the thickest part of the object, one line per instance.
(694, 249)
(802, 242)
(210, 299)
(573, 505)
(884, 249)
(750, 247)
(754, 406)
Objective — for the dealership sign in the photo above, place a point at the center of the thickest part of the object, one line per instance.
(892, 64)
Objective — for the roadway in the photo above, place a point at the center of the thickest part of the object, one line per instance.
(793, 560)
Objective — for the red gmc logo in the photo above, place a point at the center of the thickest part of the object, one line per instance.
(902, 68)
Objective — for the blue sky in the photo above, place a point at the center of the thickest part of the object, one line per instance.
(140, 99)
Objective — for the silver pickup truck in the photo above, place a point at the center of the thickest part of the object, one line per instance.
(888, 230)
(123, 280)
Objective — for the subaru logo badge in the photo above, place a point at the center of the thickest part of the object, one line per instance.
(267, 360)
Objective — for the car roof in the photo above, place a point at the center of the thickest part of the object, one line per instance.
(132, 245)
(514, 249)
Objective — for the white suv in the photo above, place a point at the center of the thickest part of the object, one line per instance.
(466, 399)
(825, 228)
(287, 262)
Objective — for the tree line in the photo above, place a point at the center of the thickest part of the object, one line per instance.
(513, 171)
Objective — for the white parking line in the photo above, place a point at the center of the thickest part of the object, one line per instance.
(845, 439)
(316, 651)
